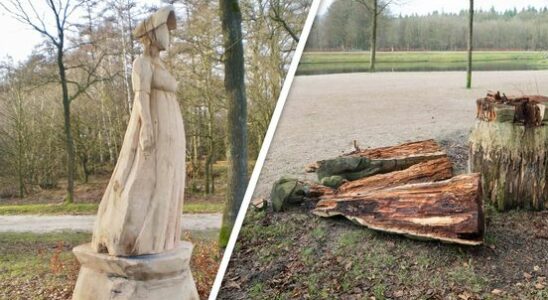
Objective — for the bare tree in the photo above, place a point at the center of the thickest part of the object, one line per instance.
(231, 17)
(375, 9)
(470, 32)
(61, 11)
(277, 9)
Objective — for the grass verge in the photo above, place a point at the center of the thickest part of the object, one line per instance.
(91, 208)
(297, 255)
(42, 266)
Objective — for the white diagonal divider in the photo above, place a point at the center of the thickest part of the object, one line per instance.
(264, 148)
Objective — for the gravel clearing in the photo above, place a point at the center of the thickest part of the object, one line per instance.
(325, 113)
(43, 224)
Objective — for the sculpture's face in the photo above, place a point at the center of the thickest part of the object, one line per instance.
(162, 37)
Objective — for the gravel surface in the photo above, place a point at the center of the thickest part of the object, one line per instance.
(325, 113)
(42, 224)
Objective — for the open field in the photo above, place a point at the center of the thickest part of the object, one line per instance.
(42, 266)
(298, 255)
(351, 62)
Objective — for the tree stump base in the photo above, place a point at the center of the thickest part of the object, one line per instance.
(509, 147)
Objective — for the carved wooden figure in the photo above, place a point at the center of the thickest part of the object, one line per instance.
(141, 209)
(136, 252)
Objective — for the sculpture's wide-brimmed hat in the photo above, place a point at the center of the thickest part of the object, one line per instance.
(165, 15)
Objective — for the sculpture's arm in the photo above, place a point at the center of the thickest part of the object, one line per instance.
(142, 79)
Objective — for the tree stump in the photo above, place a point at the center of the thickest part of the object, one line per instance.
(509, 147)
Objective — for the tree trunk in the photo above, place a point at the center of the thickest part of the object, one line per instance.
(449, 210)
(508, 146)
(237, 113)
(373, 41)
(470, 41)
(68, 131)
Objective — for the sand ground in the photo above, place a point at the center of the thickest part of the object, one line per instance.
(44, 224)
(325, 113)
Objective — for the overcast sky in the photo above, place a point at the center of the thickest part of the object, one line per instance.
(18, 40)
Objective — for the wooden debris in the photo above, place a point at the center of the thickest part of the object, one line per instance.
(420, 148)
(403, 189)
(362, 163)
(427, 171)
(531, 110)
(259, 203)
(449, 210)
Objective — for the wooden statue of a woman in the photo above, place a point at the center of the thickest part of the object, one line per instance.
(140, 212)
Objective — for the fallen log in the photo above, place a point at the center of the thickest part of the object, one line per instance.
(288, 190)
(363, 163)
(449, 211)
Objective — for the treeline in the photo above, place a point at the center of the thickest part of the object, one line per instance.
(99, 59)
(345, 27)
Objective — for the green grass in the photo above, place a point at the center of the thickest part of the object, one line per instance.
(91, 208)
(38, 266)
(50, 209)
(331, 258)
(200, 208)
(346, 62)
(42, 266)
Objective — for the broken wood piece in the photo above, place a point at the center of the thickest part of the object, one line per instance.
(363, 163)
(427, 171)
(449, 210)
(259, 203)
(419, 148)
(287, 191)
(528, 110)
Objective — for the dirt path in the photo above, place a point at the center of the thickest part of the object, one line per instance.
(42, 224)
(324, 113)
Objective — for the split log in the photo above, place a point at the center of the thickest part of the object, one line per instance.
(426, 148)
(292, 191)
(363, 163)
(508, 146)
(449, 211)
(427, 171)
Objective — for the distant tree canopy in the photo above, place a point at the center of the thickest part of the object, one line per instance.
(344, 27)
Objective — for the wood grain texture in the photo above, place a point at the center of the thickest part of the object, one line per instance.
(427, 171)
(528, 110)
(419, 148)
(449, 210)
(513, 161)
(365, 163)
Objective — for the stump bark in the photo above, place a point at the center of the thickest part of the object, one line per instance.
(449, 210)
(508, 146)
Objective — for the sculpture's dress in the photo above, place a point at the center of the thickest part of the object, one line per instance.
(140, 212)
